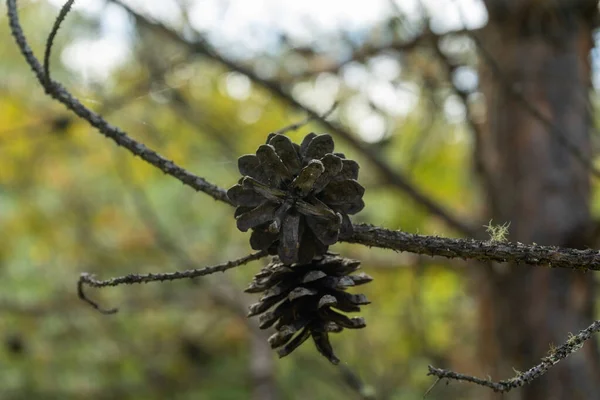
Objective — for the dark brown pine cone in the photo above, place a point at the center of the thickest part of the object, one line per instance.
(296, 199)
(303, 299)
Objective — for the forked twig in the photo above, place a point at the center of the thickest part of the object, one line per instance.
(130, 279)
(556, 355)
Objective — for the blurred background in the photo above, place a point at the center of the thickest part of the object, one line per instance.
(420, 105)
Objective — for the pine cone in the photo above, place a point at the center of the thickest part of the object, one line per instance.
(302, 299)
(296, 199)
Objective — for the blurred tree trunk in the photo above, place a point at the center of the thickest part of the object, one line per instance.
(542, 49)
(262, 367)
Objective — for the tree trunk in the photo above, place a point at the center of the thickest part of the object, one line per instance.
(541, 50)
(262, 367)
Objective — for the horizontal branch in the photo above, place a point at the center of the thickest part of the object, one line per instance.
(396, 240)
(518, 253)
(556, 355)
(130, 279)
(58, 92)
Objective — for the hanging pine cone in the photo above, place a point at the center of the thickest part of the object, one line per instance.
(303, 299)
(296, 199)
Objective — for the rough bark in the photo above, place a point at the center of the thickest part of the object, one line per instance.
(541, 49)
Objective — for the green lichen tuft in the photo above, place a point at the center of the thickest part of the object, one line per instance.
(498, 233)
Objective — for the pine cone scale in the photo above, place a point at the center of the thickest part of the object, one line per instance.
(257, 216)
(287, 153)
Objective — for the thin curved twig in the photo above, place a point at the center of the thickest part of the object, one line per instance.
(556, 355)
(130, 279)
(61, 17)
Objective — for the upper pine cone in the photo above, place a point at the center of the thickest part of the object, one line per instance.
(296, 199)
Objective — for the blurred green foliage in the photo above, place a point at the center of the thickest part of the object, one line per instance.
(71, 201)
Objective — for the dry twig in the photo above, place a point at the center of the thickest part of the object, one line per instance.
(130, 279)
(573, 344)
